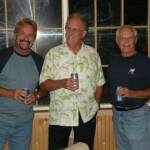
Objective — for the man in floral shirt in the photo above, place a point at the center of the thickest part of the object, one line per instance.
(74, 102)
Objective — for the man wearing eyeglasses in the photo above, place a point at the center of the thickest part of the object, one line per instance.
(129, 80)
(73, 74)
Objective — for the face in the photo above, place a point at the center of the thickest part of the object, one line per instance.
(75, 32)
(24, 38)
(126, 42)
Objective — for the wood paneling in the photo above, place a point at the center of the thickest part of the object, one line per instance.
(40, 132)
(104, 139)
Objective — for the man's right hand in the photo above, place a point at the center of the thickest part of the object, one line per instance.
(16, 94)
(72, 84)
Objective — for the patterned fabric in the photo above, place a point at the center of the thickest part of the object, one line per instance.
(65, 105)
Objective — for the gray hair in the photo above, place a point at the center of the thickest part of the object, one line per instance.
(81, 17)
(126, 26)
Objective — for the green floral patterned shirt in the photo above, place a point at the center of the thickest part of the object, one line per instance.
(65, 105)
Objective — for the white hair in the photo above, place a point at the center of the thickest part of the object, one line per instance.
(126, 26)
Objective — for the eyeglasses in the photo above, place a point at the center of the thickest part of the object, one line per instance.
(127, 38)
(69, 29)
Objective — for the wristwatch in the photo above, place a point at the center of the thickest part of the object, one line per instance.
(38, 96)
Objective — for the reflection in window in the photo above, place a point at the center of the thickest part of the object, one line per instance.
(107, 46)
(89, 39)
(140, 8)
(18, 9)
(48, 13)
(142, 42)
(2, 40)
(108, 12)
(84, 8)
(11, 39)
(1, 14)
(47, 40)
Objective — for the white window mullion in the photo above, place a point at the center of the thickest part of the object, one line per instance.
(65, 12)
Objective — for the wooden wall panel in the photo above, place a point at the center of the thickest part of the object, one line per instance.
(40, 132)
(104, 139)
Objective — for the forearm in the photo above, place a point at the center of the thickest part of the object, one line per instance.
(5, 92)
(140, 93)
(50, 85)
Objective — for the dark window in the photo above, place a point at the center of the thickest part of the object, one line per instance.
(108, 12)
(84, 7)
(48, 39)
(11, 39)
(89, 39)
(1, 14)
(2, 40)
(18, 9)
(142, 43)
(136, 12)
(107, 46)
(106, 97)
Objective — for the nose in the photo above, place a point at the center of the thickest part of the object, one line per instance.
(27, 37)
(126, 39)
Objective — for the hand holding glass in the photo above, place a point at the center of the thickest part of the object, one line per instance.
(74, 76)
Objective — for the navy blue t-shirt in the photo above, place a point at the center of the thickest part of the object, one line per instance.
(132, 72)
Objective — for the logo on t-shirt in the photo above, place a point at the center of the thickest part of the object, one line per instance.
(131, 71)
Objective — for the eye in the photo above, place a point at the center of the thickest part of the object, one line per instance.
(69, 29)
